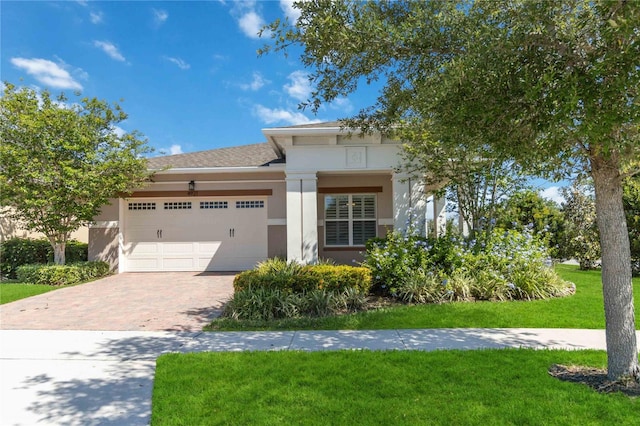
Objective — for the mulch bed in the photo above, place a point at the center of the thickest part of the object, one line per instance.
(595, 378)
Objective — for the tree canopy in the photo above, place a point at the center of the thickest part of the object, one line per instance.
(552, 86)
(61, 162)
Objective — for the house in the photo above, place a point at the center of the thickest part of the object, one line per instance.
(310, 192)
(10, 228)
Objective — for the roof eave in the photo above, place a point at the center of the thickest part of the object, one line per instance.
(244, 169)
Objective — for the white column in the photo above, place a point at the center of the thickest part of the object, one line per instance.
(122, 267)
(409, 203)
(302, 217)
(439, 215)
(464, 226)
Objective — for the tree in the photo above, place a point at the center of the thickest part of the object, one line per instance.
(631, 199)
(580, 239)
(550, 85)
(61, 162)
(528, 209)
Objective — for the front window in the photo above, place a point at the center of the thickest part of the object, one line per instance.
(349, 220)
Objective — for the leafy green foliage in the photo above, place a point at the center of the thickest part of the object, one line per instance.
(582, 310)
(61, 162)
(552, 86)
(495, 264)
(59, 275)
(528, 210)
(580, 239)
(631, 200)
(279, 289)
(295, 278)
(22, 251)
(270, 304)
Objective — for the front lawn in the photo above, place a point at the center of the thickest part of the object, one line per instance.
(585, 309)
(381, 388)
(10, 292)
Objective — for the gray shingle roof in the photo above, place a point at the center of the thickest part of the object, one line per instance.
(325, 124)
(260, 154)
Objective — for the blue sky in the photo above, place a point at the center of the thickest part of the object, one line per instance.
(187, 72)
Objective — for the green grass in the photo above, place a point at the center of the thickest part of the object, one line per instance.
(496, 387)
(584, 309)
(10, 292)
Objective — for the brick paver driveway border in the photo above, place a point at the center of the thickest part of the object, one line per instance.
(156, 301)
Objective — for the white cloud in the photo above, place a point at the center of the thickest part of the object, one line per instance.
(47, 72)
(278, 115)
(249, 17)
(250, 23)
(110, 49)
(179, 62)
(300, 87)
(119, 131)
(96, 17)
(175, 149)
(159, 16)
(553, 193)
(343, 105)
(289, 11)
(256, 84)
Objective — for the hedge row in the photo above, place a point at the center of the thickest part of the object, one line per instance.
(57, 275)
(16, 252)
(300, 279)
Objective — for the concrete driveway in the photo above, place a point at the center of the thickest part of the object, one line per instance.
(167, 301)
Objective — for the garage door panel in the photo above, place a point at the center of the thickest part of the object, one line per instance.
(143, 264)
(171, 263)
(219, 237)
(186, 248)
(135, 249)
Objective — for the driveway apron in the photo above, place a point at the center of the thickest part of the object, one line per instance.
(167, 301)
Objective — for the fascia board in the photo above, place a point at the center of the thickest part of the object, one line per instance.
(248, 169)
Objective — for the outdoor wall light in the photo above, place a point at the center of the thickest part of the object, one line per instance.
(192, 186)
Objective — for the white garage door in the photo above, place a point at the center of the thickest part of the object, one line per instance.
(194, 234)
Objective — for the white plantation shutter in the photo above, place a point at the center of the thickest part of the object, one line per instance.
(337, 233)
(350, 220)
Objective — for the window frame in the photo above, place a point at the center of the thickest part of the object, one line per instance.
(350, 220)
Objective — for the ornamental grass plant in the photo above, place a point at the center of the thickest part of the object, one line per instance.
(495, 264)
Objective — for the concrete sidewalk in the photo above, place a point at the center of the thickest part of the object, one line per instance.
(106, 377)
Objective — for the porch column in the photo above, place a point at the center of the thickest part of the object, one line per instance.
(409, 203)
(439, 215)
(464, 226)
(122, 267)
(302, 217)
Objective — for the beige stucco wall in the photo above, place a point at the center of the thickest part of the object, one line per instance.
(277, 236)
(384, 206)
(108, 212)
(12, 229)
(103, 245)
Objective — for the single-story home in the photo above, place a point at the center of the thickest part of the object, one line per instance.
(310, 192)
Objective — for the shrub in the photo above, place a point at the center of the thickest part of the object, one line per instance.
(16, 252)
(398, 257)
(266, 304)
(294, 278)
(335, 278)
(279, 289)
(58, 275)
(494, 265)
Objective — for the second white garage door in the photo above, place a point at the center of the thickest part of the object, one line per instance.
(194, 234)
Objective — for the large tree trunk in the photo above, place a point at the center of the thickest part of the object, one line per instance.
(622, 349)
(58, 251)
